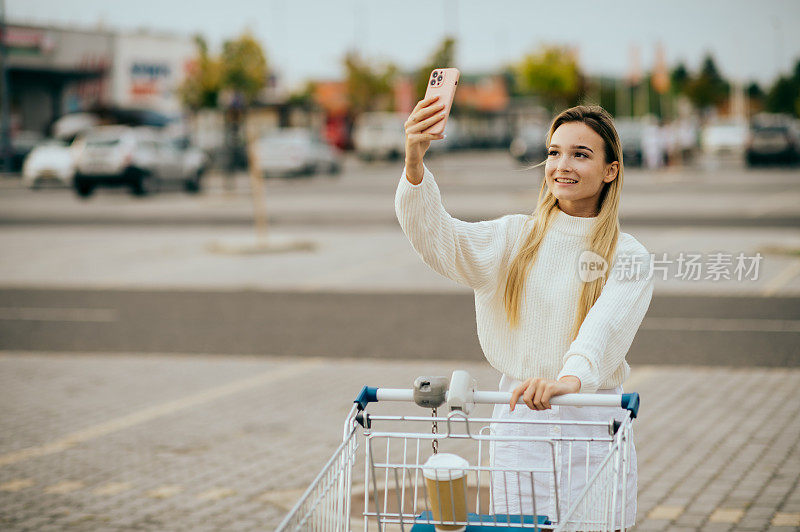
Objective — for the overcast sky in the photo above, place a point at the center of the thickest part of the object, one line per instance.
(750, 39)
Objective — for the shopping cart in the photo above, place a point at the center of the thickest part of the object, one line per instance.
(395, 495)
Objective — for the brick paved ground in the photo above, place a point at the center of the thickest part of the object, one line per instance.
(114, 442)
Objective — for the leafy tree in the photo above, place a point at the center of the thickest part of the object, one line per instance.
(679, 77)
(708, 87)
(201, 86)
(754, 91)
(244, 67)
(553, 75)
(784, 96)
(442, 57)
(368, 88)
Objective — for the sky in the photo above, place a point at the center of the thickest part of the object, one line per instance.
(304, 39)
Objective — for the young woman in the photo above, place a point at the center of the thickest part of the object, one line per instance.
(549, 323)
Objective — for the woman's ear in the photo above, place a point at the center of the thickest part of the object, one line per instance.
(612, 170)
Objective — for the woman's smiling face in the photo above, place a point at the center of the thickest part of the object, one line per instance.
(576, 168)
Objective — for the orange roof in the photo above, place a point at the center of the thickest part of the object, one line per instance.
(488, 94)
(332, 96)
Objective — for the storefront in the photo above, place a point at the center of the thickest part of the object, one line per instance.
(54, 71)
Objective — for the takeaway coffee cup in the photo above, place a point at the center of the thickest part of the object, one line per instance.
(446, 479)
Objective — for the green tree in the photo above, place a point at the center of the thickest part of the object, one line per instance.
(201, 86)
(442, 57)
(708, 88)
(754, 91)
(784, 95)
(679, 78)
(553, 75)
(244, 67)
(368, 88)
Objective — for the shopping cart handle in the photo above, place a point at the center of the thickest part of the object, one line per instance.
(628, 401)
(368, 394)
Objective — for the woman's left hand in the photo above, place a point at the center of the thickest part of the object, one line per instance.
(536, 393)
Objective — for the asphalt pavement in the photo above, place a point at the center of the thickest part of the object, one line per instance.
(154, 357)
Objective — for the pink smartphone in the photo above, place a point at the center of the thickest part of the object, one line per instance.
(442, 83)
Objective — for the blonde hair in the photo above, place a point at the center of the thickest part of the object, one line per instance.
(602, 238)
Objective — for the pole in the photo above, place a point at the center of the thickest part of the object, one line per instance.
(256, 181)
(5, 137)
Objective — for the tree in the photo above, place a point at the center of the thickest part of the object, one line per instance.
(202, 84)
(784, 95)
(442, 57)
(553, 75)
(679, 77)
(244, 67)
(708, 87)
(368, 88)
(754, 91)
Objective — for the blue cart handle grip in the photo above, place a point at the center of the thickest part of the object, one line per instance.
(630, 401)
(368, 394)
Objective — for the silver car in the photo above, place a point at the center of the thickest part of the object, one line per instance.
(295, 151)
(138, 158)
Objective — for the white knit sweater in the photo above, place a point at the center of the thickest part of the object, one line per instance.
(474, 254)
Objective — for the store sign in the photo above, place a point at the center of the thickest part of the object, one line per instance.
(28, 41)
(149, 79)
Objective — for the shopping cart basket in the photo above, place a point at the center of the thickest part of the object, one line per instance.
(396, 497)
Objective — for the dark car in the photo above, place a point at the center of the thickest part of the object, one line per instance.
(773, 139)
(631, 134)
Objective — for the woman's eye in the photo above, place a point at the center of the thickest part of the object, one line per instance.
(552, 152)
(581, 154)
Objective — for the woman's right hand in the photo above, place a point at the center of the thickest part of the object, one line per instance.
(427, 113)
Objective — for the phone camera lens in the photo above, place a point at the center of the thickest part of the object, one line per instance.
(440, 78)
(433, 82)
(435, 74)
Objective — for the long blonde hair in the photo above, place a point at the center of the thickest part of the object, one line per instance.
(602, 238)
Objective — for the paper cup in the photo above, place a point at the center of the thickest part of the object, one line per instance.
(446, 479)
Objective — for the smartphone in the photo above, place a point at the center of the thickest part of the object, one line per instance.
(442, 83)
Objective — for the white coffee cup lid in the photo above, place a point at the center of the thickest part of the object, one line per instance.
(445, 466)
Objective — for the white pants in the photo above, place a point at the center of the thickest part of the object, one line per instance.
(511, 493)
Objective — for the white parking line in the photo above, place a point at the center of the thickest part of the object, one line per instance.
(720, 324)
(59, 314)
(157, 411)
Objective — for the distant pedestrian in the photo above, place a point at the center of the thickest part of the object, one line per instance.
(547, 330)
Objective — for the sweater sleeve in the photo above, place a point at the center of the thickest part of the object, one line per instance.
(466, 252)
(608, 330)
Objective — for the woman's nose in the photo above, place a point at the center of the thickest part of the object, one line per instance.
(563, 163)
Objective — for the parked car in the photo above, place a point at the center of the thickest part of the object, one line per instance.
(380, 136)
(529, 145)
(724, 139)
(296, 151)
(631, 133)
(69, 126)
(773, 139)
(139, 158)
(22, 142)
(51, 162)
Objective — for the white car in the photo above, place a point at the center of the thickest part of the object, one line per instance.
(724, 139)
(140, 158)
(51, 162)
(295, 151)
(380, 136)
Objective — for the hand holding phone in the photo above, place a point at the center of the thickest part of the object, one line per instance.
(428, 119)
(442, 83)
